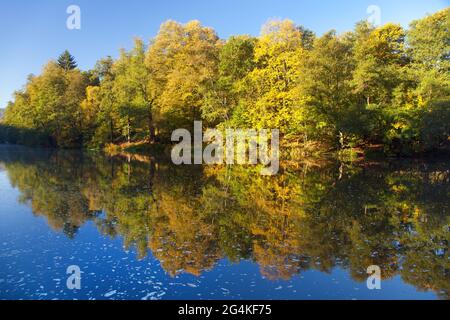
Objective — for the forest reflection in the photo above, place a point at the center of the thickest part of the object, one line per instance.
(310, 216)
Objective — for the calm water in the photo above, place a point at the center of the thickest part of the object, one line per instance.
(144, 229)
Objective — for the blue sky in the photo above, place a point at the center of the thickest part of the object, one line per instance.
(33, 32)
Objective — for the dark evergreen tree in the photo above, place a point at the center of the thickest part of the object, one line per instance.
(67, 61)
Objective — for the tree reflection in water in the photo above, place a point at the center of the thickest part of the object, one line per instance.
(395, 215)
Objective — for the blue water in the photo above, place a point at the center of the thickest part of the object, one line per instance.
(34, 258)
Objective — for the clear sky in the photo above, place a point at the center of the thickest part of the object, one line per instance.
(33, 32)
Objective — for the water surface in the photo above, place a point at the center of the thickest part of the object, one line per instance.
(141, 228)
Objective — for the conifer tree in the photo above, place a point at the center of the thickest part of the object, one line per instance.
(67, 61)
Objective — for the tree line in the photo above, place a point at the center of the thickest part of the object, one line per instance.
(374, 85)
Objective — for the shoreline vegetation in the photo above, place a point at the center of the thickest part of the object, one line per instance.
(373, 91)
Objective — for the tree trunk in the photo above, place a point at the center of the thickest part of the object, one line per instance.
(341, 139)
(128, 130)
(151, 128)
(111, 131)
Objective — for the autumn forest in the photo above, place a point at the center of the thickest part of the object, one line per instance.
(382, 86)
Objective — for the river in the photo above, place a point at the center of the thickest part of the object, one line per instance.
(139, 227)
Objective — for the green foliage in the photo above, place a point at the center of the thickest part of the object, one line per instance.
(325, 84)
(50, 106)
(223, 94)
(429, 41)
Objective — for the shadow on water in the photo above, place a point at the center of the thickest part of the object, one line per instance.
(391, 214)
